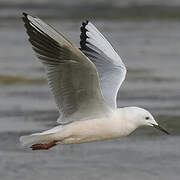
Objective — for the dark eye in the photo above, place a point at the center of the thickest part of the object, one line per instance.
(147, 118)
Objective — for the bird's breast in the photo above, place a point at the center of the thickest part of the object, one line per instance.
(93, 130)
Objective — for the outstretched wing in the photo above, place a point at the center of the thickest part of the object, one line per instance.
(110, 67)
(72, 77)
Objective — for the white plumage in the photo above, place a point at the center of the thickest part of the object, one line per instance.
(84, 83)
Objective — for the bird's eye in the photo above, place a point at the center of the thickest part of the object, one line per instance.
(147, 118)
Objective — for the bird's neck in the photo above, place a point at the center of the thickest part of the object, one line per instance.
(123, 122)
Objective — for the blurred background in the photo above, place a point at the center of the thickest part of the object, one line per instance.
(146, 33)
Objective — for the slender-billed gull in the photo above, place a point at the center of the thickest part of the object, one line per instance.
(85, 83)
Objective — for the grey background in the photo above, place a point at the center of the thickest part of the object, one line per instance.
(146, 33)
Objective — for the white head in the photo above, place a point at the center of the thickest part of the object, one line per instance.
(141, 117)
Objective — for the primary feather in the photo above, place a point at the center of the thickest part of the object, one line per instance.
(72, 77)
(110, 67)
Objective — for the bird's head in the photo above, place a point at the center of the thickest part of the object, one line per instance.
(142, 117)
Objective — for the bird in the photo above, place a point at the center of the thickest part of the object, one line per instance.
(84, 82)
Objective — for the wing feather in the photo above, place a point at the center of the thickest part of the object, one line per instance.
(72, 77)
(110, 67)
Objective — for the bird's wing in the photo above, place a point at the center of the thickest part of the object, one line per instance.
(110, 67)
(72, 77)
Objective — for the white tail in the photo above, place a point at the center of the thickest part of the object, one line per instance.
(43, 137)
(34, 139)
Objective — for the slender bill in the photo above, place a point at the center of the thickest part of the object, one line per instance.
(160, 128)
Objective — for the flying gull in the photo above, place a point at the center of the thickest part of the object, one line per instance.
(84, 83)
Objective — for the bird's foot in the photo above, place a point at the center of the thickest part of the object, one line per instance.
(43, 146)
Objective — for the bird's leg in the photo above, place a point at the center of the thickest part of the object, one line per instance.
(43, 146)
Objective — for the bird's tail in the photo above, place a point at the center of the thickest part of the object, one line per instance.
(29, 140)
(43, 137)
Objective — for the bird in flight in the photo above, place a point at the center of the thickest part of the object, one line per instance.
(84, 83)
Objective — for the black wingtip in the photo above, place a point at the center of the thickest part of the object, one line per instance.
(83, 35)
(24, 14)
(84, 23)
(83, 27)
(24, 17)
(87, 21)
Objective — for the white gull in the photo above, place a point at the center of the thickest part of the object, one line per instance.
(85, 83)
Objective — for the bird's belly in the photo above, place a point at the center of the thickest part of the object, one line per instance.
(79, 140)
(89, 131)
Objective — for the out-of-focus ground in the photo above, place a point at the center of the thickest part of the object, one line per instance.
(150, 48)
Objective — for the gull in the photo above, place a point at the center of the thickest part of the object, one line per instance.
(84, 83)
